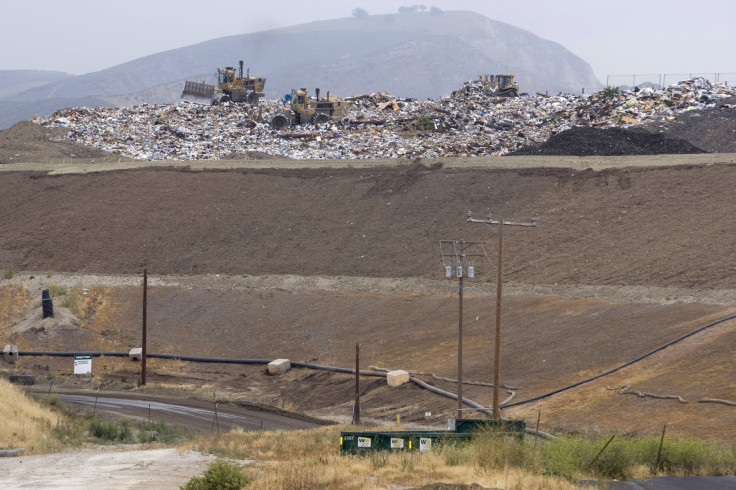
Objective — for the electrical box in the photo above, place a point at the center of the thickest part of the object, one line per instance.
(448, 271)
(459, 271)
(471, 271)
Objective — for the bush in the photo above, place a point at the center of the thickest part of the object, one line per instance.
(56, 290)
(112, 431)
(220, 475)
(160, 431)
(610, 91)
(8, 273)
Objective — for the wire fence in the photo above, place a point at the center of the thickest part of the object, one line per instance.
(661, 80)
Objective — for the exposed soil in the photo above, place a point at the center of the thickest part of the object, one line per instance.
(304, 263)
(587, 141)
(713, 130)
(709, 130)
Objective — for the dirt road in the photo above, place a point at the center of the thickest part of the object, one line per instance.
(104, 467)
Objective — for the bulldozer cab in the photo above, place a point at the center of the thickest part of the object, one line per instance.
(225, 78)
(504, 81)
(299, 97)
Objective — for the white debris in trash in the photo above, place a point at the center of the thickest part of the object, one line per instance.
(469, 123)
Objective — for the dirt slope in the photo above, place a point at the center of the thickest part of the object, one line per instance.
(657, 226)
(360, 246)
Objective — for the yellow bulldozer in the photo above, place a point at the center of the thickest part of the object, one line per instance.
(500, 85)
(230, 87)
(302, 109)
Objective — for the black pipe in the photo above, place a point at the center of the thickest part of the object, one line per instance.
(376, 373)
(72, 354)
(592, 378)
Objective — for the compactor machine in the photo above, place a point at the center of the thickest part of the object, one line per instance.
(230, 87)
(500, 85)
(302, 109)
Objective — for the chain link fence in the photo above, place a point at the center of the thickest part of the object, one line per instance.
(660, 80)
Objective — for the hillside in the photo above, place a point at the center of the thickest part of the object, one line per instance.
(13, 82)
(257, 261)
(409, 54)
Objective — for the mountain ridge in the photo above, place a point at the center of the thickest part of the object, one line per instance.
(420, 55)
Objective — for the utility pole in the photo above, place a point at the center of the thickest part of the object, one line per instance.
(457, 263)
(499, 287)
(145, 306)
(356, 410)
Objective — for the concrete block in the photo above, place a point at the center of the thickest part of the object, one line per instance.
(136, 354)
(397, 378)
(11, 353)
(279, 366)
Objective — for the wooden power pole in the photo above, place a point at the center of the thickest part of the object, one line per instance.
(457, 261)
(499, 295)
(143, 346)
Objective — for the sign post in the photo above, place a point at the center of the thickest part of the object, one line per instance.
(82, 364)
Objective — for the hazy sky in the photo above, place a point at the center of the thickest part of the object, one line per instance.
(615, 36)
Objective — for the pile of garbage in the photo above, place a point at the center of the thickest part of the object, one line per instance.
(469, 123)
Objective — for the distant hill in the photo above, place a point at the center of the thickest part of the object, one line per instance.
(13, 82)
(419, 54)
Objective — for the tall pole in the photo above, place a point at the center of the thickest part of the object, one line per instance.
(143, 349)
(458, 259)
(497, 352)
(460, 352)
(499, 295)
(356, 414)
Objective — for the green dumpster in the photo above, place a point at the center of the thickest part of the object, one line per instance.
(459, 430)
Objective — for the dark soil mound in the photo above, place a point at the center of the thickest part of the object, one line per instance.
(587, 141)
(713, 130)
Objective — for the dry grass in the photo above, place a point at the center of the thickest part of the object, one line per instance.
(14, 302)
(312, 459)
(24, 423)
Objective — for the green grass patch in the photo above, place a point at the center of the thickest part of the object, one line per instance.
(56, 290)
(582, 457)
(117, 431)
(160, 431)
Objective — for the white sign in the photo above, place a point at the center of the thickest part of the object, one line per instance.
(82, 364)
(364, 442)
(397, 443)
(425, 443)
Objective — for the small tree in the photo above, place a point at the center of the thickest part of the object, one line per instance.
(360, 13)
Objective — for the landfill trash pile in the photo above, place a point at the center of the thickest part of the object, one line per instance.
(467, 124)
(588, 141)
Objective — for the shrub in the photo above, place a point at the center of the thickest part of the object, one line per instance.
(55, 290)
(425, 124)
(111, 431)
(160, 431)
(8, 273)
(610, 91)
(220, 475)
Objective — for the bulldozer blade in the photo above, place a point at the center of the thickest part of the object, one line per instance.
(198, 93)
